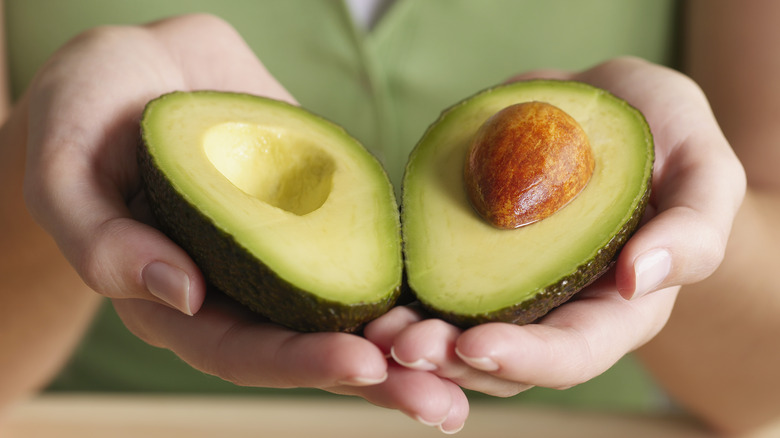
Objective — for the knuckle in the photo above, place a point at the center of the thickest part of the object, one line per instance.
(32, 193)
(138, 318)
(96, 257)
(704, 247)
(713, 244)
(204, 22)
(94, 37)
(436, 325)
(207, 19)
(90, 265)
(221, 366)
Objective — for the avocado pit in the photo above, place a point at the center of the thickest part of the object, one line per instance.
(526, 162)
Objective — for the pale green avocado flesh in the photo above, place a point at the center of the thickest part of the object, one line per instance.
(468, 272)
(281, 209)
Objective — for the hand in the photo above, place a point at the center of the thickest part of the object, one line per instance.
(697, 188)
(83, 187)
(226, 340)
(81, 180)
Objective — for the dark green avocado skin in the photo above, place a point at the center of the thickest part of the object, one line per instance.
(553, 296)
(230, 268)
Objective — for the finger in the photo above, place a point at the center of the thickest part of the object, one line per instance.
(575, 343)
(383, 330)
(459, 411)
(420, 395)
(430, 346)
(695, 200)
(225, 340)
(81, 171)
(698, 183)
(81, 168)
(115, 254)
(228, 341)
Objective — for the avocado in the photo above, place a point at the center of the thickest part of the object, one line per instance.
(281, 209)
(467, 271)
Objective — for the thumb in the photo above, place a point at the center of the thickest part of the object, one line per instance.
(80, 189)
(698, 182)
(115, 254)
(684, 241)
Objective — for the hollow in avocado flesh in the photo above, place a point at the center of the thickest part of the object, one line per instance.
(281, 209)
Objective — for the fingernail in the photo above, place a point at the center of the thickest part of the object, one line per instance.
(430, 423)
(363, 381)
(420, 364)
(168, 283)
(651, 269)
(480, 363)
(450, 432)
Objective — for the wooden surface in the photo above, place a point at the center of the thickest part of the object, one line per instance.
(84, 416)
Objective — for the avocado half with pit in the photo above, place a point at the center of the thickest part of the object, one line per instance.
(465, 269)
(281, 209)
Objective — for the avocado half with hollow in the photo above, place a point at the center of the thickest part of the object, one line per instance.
(281, 209)
(467, 271)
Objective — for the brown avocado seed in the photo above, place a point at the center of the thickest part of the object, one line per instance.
(526, 162)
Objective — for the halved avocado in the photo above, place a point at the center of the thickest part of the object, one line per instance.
(467, 271)
(281, 209)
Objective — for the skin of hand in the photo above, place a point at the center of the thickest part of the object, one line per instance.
(718, 354)
(697, 189)
(82, 186)
(44, 306)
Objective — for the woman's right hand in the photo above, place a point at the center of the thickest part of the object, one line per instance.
(82, 185)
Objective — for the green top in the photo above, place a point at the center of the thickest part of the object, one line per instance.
(385, 87)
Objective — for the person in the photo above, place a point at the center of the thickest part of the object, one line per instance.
(74, 220)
